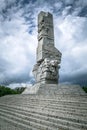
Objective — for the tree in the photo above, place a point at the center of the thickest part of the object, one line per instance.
(7, 91)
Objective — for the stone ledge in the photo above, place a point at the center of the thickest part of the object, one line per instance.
(54, 89)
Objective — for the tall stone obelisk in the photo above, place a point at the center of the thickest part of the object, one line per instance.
(46, 70)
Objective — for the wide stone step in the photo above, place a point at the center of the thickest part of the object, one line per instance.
(75, 105)
(62, 104)
(28, 113)
(71, 99)
(27, 119)
(33, 123)
(52, 101)
(65, 105)
(9, 124)
(79, 111)
(71, 110)
(20, 98)
(49, 113)
(15, 124)
(59, 110)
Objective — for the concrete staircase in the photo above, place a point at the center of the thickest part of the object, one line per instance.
(44, 112)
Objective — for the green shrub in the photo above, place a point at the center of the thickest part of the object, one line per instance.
(85, 89)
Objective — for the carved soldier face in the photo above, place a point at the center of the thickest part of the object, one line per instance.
(54, 62)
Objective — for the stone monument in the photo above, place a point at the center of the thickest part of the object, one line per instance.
(46, 70)
(45, 105)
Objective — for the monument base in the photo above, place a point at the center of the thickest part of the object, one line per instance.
(54, 89)
(47, 81)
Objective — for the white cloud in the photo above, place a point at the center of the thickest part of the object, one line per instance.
(72, 42)
(18, 39)
(16, 47)
(16, 85)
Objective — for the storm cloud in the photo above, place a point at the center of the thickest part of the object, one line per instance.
(18, 39)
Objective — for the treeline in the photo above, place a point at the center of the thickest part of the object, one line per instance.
(7, 91)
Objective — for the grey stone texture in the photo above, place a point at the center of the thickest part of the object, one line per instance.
(62, 109)
(48, 57)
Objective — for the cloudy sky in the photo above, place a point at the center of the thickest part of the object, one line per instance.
(18, 39)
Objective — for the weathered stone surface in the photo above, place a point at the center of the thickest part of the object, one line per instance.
(54, 89)
(48, 57)
(52, 108)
